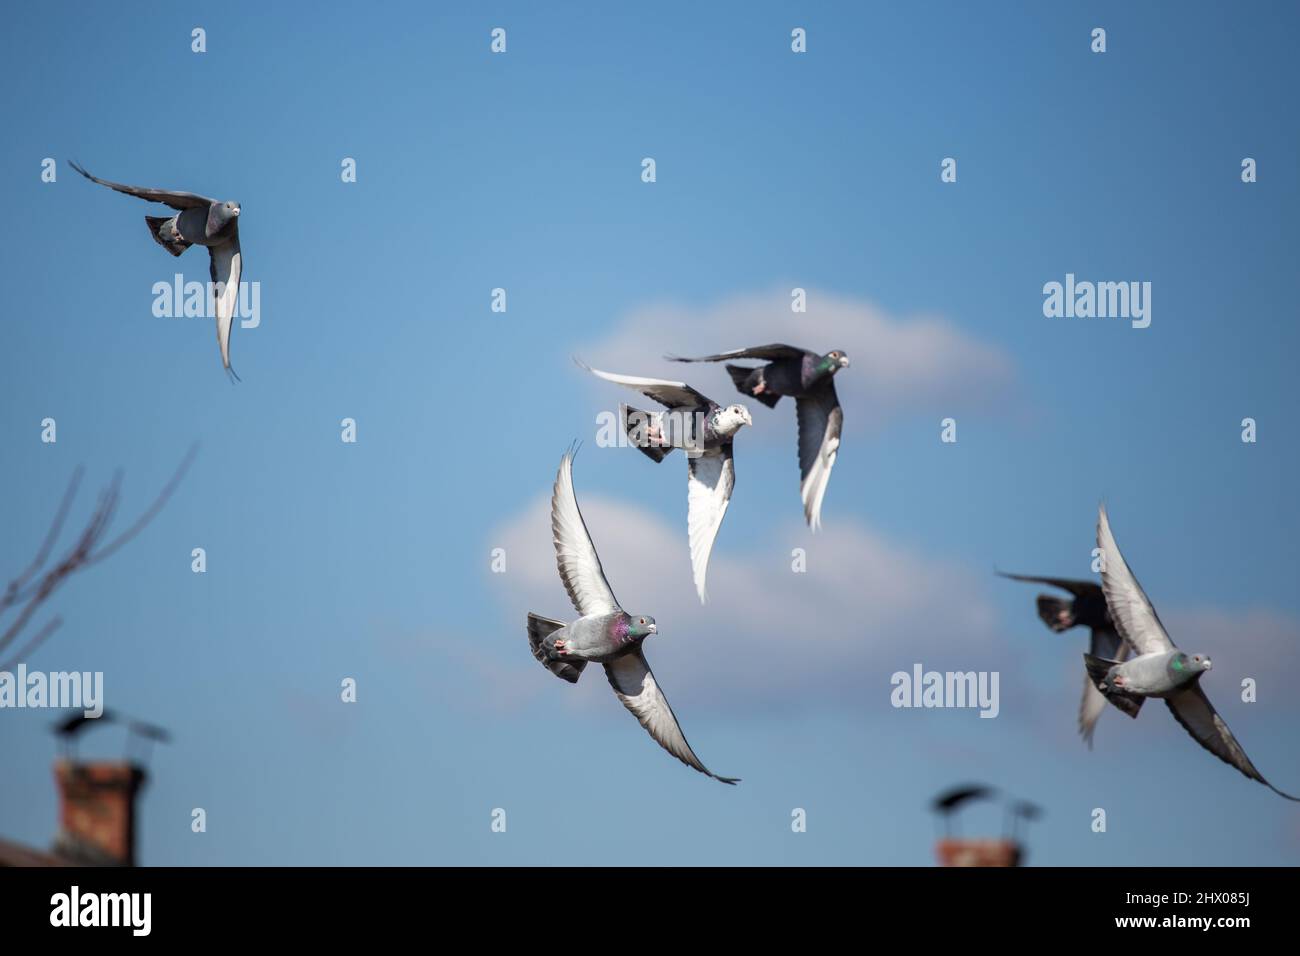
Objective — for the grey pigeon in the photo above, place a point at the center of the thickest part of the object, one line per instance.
(705, 430)
(1160, 669)
(1088, 609)
(808, 378)
(200, 221)
(603, 632)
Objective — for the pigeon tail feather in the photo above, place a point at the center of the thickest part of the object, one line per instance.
(746, 379)
(540, 628)
(636, 433)
(1057, 613)
(173, 245)
(1098, 670)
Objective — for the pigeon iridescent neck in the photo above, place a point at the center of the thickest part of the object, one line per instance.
(627, 627)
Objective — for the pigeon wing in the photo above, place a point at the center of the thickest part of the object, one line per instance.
(1106, 645)
(225, 266)
(1075, 587)
(1091, 708)
(168, 197)
(1193, 710)
(820, 422)
(634, 684)
(770, 353)
(667, 393)
(1130, 609)
(709, 478)
(575, 555)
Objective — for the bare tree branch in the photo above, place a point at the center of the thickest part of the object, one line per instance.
(150, 513)
(88, 549)
(41, 635)
(11, 594)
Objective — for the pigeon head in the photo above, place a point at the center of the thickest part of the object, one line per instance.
(641, 626)
(832, 362)
(729, 420)
(225, 211)
(1187, 667)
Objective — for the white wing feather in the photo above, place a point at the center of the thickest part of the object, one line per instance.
(709, 479)
(575, 555)
(634, 684)
(662, 390)
(226, 267)
(820, 422)
(1130, 609)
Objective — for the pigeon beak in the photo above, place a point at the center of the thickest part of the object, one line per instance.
(748, 418)
(652, 628)
(844, 361)
(1208, 665)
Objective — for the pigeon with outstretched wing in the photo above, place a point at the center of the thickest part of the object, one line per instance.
(706, 431)
(808, 378)
(199, 221)
(1160, 669)
(603, 632)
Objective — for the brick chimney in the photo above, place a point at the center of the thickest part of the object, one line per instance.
(97, 811)
(986, 852)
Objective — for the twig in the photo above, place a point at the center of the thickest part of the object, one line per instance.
(89, 549)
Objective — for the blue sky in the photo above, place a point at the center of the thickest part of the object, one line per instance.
(775, 170)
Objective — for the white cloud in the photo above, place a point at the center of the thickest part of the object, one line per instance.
(1259, 643)
(912, 366)
(769, 636)
(772, 639)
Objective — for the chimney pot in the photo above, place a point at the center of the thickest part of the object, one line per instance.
(97, 804)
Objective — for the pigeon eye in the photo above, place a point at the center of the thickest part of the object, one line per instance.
(642, 620)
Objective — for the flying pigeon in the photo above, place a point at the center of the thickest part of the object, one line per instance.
(603, 632)
(1160, 669)
(205, 222)
(807, 378)
(1089, 610)
(705, 430)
